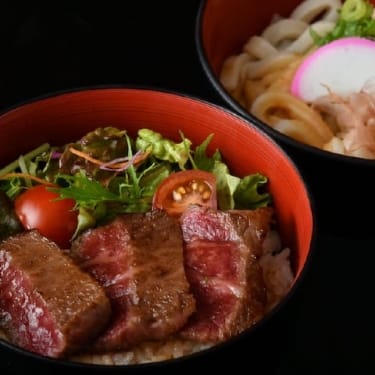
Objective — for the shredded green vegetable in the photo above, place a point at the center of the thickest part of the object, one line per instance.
(355, 19)
(29, 156)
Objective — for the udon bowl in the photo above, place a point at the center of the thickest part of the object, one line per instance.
(63, 117)
(233, 39)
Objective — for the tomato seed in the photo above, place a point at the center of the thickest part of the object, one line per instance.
(176, 196)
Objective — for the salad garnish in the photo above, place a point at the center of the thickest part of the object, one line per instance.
(107, 172)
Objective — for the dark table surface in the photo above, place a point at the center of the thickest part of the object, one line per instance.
(329, 323)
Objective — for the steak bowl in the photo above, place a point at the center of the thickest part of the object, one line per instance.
(63, 118)
(235, 41)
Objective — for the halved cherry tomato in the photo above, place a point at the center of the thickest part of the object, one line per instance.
(37, 208)
(181, 189)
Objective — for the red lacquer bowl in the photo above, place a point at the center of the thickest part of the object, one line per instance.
(65, 117)
(222, 29)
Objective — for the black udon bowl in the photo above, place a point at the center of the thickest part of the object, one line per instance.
(62, 117)
(342, 186)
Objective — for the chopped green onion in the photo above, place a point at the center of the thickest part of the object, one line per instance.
(355, 19)
(354, 10)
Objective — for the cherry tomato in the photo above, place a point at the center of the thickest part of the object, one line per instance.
(37, 208)
(181, 189)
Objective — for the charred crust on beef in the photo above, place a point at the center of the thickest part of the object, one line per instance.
(50, 306)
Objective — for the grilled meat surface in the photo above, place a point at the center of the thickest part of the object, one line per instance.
(48, 305)
(221, 261)
(141, 277)
(138, 259)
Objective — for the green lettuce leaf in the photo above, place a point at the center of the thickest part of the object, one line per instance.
(163, 148)
(249, 193)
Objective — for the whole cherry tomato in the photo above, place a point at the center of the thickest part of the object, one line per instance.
(41, 209)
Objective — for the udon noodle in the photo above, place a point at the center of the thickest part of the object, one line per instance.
(259, 78)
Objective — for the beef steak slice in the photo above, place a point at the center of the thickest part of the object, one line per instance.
(221, 261)
(138, 258)
(48, 305)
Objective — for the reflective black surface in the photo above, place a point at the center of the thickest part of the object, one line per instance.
(329, 323)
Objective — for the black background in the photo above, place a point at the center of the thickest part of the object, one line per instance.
(328, 325)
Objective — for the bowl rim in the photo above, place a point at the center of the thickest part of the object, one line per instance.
(221, 345)
(236, 107)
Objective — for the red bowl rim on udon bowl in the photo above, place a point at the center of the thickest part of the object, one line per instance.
(63, 116)
(211, 62)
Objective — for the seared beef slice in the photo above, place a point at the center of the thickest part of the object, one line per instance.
(221, 261)
(47, 304)
(138, 258)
